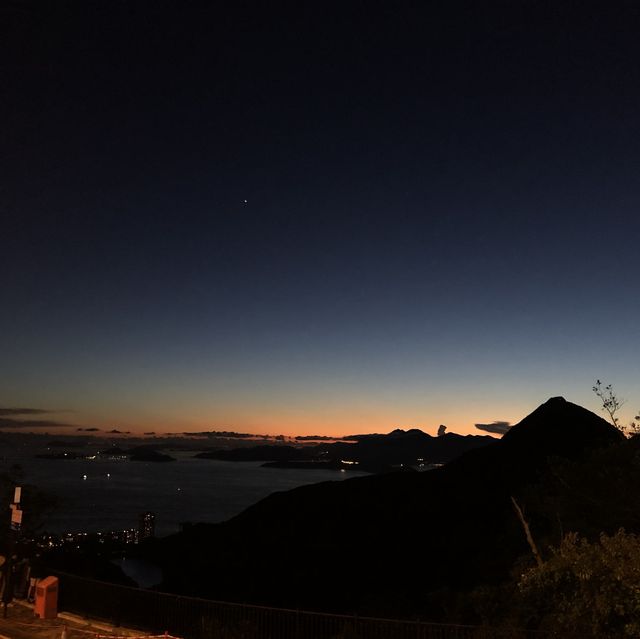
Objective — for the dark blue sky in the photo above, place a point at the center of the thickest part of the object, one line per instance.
(329, 218)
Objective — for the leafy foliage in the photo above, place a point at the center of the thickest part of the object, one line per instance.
(587, 589)
(634, 426)
(591, 495)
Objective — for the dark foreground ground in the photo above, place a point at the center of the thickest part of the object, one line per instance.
(22, 624)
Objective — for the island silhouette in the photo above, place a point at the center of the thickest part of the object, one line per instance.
(399, 449)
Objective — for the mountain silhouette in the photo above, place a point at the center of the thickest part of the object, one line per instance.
(570, 426)
(392, 544)
(373, 453)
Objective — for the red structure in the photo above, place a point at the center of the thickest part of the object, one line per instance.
(47, 598)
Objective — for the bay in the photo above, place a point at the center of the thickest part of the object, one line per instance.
(103, 495)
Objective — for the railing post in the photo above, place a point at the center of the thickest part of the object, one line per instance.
(117, 617)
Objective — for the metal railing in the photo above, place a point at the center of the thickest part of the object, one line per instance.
(194, 618)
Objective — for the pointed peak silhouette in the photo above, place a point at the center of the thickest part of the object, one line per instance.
(562, 426)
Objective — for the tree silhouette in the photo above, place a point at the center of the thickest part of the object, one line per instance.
(588, 588)
(611, 403)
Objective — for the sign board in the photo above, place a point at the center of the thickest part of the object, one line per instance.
(16, 519)
(17, 493)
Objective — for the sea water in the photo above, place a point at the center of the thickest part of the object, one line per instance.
(103, 495)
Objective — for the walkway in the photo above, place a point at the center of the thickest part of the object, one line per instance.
(22, 624)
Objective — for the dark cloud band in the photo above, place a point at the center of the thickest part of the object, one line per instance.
(8, 422)
(499, 428)
(14, 412)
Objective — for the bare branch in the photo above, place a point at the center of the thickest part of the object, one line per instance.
(527, 532)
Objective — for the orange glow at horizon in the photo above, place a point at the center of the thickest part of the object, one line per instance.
(332, 422)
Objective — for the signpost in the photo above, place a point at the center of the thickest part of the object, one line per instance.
(16, 524)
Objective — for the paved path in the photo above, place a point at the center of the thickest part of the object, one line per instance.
(22, 624)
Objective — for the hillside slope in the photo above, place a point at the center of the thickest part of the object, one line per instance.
(386, 544)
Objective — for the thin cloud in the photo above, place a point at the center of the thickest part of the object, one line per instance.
(8, 415)
(498, 428)
(8, 422)
(14, 412)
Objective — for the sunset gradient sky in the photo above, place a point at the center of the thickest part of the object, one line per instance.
(317, 220)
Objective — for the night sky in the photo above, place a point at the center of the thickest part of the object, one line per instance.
(319, 218)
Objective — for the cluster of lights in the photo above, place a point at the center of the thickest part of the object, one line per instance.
(94, 457)
(70, 539)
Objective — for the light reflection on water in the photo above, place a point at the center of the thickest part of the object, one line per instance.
(145, 574)
(115, 493)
